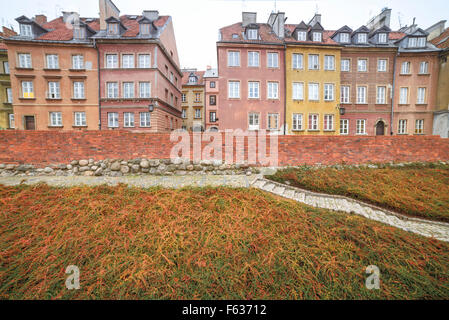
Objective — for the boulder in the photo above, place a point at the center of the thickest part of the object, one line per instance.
(145, 164)
(124, 169)
(115, 166)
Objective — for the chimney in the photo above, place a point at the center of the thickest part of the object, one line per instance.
(151, 14)
(40, 19)
(248, 18)
(70, 17)
(316, 18)
(107, 9)
(382, 19)
(277, 23)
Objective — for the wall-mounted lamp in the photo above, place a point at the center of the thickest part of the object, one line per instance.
(151, 108)
(342, 111)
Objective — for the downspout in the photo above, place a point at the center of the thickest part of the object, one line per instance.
(392, 94)
(285, 89)
(99, 85)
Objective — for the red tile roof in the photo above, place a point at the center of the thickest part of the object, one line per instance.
(265, 34)
(58, 30)
(442, 41)
(396, 35)
(133, 24)
(327, 34)
(199, 74)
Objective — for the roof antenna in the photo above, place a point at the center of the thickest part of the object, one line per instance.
(399, 18)
(275, 5)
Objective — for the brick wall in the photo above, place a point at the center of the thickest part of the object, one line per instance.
(43, 147)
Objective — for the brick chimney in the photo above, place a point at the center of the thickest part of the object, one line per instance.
(107, 9)
(40, 19)
(151, 14)
(248, 18)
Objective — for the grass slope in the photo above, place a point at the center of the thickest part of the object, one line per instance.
(206, 243)
(413, 190)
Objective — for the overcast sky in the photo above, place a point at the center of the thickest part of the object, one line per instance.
(197, 22)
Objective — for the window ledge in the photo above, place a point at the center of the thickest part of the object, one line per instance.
(21, 68)
(421, 104)
(329, 130)
(403, 104)
(50, 69)
(56, 127)
(79, 99)
(298, 130)
(405, 74)
(423, 74)
(53, 99)
(361, 134)
(310, 130)
(79, 126)
(402, 134)
(298, 100)
(27, 98)
(77, 70)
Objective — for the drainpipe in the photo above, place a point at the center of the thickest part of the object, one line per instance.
(392, 94)
(285, 89)
(99, 85)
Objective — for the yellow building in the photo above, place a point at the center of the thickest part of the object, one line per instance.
(6, 110)
(192, 100)
(312, 81)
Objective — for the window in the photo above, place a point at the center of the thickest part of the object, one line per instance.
(424, 67)
(112, 90)
(273, 121)
(403, 96)
(80, 119)
(344, 94)
(183, 98)
(382, 65)
(111, 61)
(25, 30)
(344, 37)
(328, 122)
(360, 126)
(212, 84)
(253, 121)
(112, 119)
(297, 61)
(193, 79)
(253, 59)
(145, 120)
(421, 42)
(361, 95)
(55, 119)
(172, 77)
(144, 60)
(273, 90)
(54, 90)
(6, 67)
(52, 61)
(316, 36)
(253, 90)
(127, 61)
(361, 38)
(314, 63)
(25, 60)
(197, 97)
(419, 126)
(421, 96)
(144, 90)
(329, 62)
(128, 90)
(381, 95)
(362, 65)
(79, 33)
(197, 113)
(313, 122)
(252, 34)
(184, 113)
(382, 38)
(112, 28)
(128, 119)
(302, 35)
(344, 126)
(145, 28)
(328, 92)
(213, 100)
(405, 67)
(78, 90)
(273, 60)
(233, 59)
(402, 126)
(11, 121)
(213, 116)
(298, 91)
(8, 95)
(314, 94)
(27, 89)
(297, 121)
(234, 89)
(78, 62)
(345, 65)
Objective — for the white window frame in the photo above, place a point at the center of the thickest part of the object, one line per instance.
(253, 90)
(145, 89)
(198, 113)
(419, 126)
(314, 122)
(112, 61)
(272, 60)
(80, 119)
(421, 42)
(27, 88)
(345, 94)
(128, 120)
(253, 34)
(184, 113)
(128, 61)
(421, 95)
(344, 126)
(12, 124)
(298, 91)
(276, 120)
(403, 95)
(313, 91)
(297, 121)
(233, 58)
(78, 62)
(423, 67)
(328, 123)
(360, 127)
(314, 61)
(112, 90)
(402, 126)
(52, 61)
(6, 67)
(9, 95)
(317, 36)
(382, 65)
(361, 98)
(329, 92)
(128, 90)
(113, 120)
(344, 37)
(26, 30)
(406, 67)
(54, 90)
(362, 67)
(272, 90)
(345, 65)
(381, 95)
(144, 60)
(25, 61)
(297, 61)
(362, 38)
(145, 119)
(329, 62)
(253, 59)
(302, 36)
(55, 119)
(253, 121)
(78, 90)
(382, 37)
(234, 89)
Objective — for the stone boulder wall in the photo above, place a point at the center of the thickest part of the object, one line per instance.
(120, 167)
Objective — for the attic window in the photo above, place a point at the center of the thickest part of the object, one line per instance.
(252, 34)
(421, 42)
(302, 35)
(382, 38)
(145, 28)
(235, 36)
(25, 30)
(192, 79)
(317, 37)
(79, 33)
(112, 28)
(361, 38)
(344, 37)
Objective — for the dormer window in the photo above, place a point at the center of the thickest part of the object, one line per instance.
(235, 36)
(145, 28)
(361, 38)
(79, 33)
(25, 30)
(421, 42)
(192, 79)
(302, 36)
(344, 37)
(316, 36)
(112, 28)
(382, 38)
(252, 34)
(412, 42)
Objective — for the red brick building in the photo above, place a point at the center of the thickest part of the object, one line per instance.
(140, 78)
(212, 89)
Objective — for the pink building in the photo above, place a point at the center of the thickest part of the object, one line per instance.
(212, 89)
(251, 68)
(140, 78)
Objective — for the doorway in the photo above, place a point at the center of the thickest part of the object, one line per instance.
(380, 128)
(30, 124)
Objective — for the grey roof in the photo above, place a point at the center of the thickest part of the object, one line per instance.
(211, 73)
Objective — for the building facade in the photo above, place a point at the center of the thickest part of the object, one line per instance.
(6, 110)
(212, 91)
(54, 74)
(251, 67)
(193, 100)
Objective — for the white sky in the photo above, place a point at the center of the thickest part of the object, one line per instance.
(197, 22)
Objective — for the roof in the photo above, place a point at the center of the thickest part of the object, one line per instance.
(396, 35)
(265, 34)
(58, 30)
(187, 74)
(133, 27)
(211, 73)
(326, 36)
(442, 41)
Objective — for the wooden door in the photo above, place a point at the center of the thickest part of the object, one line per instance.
(380, 128)
(30, 123)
